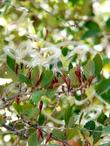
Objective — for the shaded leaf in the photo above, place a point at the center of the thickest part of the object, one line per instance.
(41, 119)
(105, 96)
(33, 141)
(108, 23)
(2, 120)
(65, 51)
(101, 118)
(90, 125)
(92, 25)
(11, 63)
(73, 2)
(93, 30)
(97, 134)
(68, 114)
(103, 86)
(59, 64)
(90, 33)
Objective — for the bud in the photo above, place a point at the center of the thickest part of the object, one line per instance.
(39, 133)
(21, 65)
(79, 74)
(90, 79)
(29, 74)
(49, 136)
(16, 68)
(40, 105)
(67, 81)
(54, 83)
(17, 99)
(38, 79)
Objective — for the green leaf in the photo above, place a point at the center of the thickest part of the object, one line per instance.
(29, 110)
(73, 77)
(59, 64)
(105, 96)
(108, 23)
(11, 63)
(33, 141)
(106, 60)
(71, 122)
(7, 5)
(102, 117)
(73, 2)
(93, 30)
(106, 144)
(46, 78)
(97, 134)
(92, 25)
(68, 114)
(98, 64)
(70, 66)
(74, 57)
(41, 119)
(17, 107)
(36, 96)
(2, 120)
(24, 79)
(65, 51)
(90, 125)
(103, 86)
(58, 134)
(106, 130)
(85, 132)
(50, 93)
(35, 72)
(90, 33)
(72, 132)
(89, 69)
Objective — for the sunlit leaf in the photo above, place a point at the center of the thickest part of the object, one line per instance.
(89, 69)
(58, 134)
(98, 64)
(37, 95)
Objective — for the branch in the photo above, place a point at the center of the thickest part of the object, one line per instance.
(53, 119)
(15, 131)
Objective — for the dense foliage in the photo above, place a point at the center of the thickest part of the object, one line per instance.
(55, 58)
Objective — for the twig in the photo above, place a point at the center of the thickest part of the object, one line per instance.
(17, 132)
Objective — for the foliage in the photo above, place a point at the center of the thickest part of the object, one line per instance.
(57, 57)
